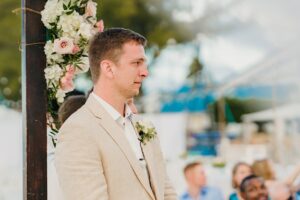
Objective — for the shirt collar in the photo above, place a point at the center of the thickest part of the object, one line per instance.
(111, 110)
(202, 193)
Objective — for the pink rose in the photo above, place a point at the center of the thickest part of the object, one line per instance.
(75, 49)
(70, 69)
(100, 26)
(90, 9)
(66, 82)
(64, 45)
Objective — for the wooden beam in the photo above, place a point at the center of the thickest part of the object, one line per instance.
(34, 102)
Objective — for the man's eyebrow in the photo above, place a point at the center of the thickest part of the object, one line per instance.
(140, 59)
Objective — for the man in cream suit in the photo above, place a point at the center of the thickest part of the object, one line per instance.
(99, 155)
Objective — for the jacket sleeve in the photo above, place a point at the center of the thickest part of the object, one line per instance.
(169, 191)
(79, 166)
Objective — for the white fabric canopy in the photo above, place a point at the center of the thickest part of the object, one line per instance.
(290, 111)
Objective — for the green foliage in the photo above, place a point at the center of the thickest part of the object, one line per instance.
(195, 70)
(235, 108)
(10, 55)
(151, 18)
(147, 17)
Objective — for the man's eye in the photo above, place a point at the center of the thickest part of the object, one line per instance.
(137, 63)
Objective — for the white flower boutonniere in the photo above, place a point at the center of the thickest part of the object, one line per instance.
(145, 130)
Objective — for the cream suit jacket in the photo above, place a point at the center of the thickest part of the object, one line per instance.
(94, 161)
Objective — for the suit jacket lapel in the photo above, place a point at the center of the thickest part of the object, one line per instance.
(116, 132)
(147, 151)
(146, 148)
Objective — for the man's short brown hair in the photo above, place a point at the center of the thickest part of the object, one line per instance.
(108, 45)
(69, 106)
(190, 166)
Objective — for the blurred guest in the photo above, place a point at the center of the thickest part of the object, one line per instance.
(253, 188)
(72, 103)
(264, 169)
(239, 172)
(69, 106)
(196, 181)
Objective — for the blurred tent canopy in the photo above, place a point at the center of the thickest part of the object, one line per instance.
(189, 98)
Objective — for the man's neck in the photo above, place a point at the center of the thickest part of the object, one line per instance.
(194, 191)
(114, 100)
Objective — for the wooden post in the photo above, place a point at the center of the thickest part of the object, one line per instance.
(34, 102)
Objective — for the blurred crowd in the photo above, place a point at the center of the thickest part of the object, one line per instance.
(250, 182)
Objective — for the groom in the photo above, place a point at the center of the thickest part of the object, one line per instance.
(99, 155)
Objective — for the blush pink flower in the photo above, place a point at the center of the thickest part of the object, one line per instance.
(66, 82)
(100, 26)
(91, 9)
(70, 69)
(75, 49)
(64, 45)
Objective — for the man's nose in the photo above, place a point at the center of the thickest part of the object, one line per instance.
(144, 71)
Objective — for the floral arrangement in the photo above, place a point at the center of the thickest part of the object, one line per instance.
(70, 25)
(146, 131)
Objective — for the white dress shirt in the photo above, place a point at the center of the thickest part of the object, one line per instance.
(127, 126)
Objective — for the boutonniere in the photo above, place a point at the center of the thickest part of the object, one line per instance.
(146, 131)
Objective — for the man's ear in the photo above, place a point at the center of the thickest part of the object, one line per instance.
(107, 68)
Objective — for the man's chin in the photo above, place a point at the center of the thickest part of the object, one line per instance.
(263, 198)
(137, 92)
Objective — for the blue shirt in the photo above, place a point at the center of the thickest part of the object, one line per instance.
(233, 196)
(206, 193)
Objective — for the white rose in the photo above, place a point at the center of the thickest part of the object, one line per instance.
(48, 48)
(147, 124)
(53, 9)
(86, 31)
(60, 95)
(63, 45)
(70, 24)
(91, 9)
(51, 56)
(53, 74)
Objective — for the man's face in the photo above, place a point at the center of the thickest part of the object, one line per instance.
(255, 190)
(241, 173)
(196, 176)
(130, 70)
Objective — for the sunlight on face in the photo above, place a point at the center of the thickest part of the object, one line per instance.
(131, 69)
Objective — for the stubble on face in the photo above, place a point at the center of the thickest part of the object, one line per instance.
(130, 70)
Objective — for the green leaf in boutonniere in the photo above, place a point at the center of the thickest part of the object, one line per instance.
(146, 131)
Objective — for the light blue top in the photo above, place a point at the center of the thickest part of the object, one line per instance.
(206, 193)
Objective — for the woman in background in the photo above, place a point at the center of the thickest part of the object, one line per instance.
(239, 172)
(264, 168)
